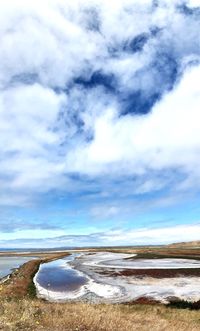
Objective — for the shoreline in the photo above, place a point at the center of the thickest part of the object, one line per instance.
(107, 286)
(19, 283)
(92, 290)
(5, 278)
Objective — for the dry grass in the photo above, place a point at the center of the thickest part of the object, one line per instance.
(29, 315)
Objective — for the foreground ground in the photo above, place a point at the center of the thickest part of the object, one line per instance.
(35, 315)
(21, 310)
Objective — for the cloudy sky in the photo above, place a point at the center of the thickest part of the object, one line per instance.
(99, 122)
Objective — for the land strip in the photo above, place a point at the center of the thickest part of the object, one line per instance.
(20, 283)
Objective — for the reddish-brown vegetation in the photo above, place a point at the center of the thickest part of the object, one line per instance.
(155, 273)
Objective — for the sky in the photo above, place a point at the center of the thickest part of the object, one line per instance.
(99, 122)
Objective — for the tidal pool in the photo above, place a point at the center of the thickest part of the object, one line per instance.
(90, 277)
(57, 276)
(8, 263)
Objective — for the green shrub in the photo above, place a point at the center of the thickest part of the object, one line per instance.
(182, 304)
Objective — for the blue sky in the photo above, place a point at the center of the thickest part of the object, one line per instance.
(99, 122)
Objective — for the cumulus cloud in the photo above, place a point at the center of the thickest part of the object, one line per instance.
(166, 137)
(98, 88)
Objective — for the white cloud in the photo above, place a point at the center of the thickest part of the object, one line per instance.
(144, 236)
(50, 126)
(156, 236)
(193, 3)
(167, 137)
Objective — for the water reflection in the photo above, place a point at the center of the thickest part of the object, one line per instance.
(58, 276)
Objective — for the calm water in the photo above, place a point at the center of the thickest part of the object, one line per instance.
(58, 276)
(7, 263)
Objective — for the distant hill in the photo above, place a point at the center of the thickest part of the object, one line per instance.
(192, 244)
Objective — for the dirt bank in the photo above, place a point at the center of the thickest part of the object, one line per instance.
(20, 282)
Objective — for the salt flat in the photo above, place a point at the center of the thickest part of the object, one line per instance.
(100, 286)
(117, 260)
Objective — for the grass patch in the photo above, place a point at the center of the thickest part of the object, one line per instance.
(31, 290)
(27, 314)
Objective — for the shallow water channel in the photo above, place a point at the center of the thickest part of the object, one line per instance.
(8, 263)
